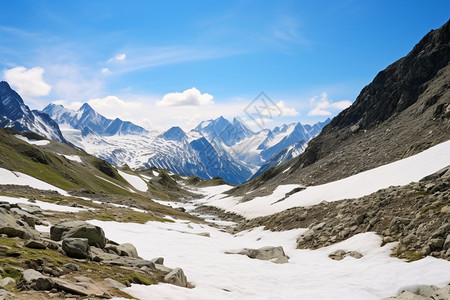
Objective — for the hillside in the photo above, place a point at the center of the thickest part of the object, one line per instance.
(404, 110)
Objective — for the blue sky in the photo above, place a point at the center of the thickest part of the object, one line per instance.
(169, 63)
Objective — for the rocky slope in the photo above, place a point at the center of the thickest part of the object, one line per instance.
(405, 110)
(417, 216)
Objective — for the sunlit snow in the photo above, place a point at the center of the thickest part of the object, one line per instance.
(400, 172)
(135, 181)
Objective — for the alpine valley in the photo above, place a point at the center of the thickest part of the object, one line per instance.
(357, 207)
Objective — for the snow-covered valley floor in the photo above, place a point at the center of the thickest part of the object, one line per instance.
(310, 274)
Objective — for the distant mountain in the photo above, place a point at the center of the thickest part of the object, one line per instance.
(214, 148)
(15, 114)
(89, 121)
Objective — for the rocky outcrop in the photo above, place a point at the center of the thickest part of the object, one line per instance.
(78, 229)
(416, 216)
(403, 111)
(425, 292)
(13, 226)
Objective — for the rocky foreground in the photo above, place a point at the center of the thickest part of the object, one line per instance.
(75, 260)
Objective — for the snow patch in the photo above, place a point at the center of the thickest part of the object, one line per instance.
(17, 178)
(32, 142)
(135, 181)
(73, 158)
(43, 205)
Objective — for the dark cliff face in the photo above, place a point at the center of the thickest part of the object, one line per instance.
(404, 110)
(391, 92)
(399, 85)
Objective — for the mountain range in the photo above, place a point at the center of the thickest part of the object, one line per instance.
(215, 148)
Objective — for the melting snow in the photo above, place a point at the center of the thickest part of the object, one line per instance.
(33, 142)
(400, 172)
(135, 181)
(72, 158)
(310, 274)
(9, 177)
(43, 205)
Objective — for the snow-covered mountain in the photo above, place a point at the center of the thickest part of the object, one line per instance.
(89, 121)
(214, 148)
(15, 114)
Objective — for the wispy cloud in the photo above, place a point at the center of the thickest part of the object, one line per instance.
(118, 57)
(322, 106)
(149, 57)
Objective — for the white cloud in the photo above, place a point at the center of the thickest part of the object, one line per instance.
(323, 107)
(70, 105)
(280, 109)
(114, 107)
(118, 57)
(190, 97)
(27, 82)
(105, 71)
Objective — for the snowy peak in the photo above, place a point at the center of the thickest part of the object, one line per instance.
(88, 120)
(221, 130)
(15, 114)
(174, 134)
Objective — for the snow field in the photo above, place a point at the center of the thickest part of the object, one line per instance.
(400, 172)
(310, 274)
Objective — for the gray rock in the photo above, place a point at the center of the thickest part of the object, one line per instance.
(71, 266)
(176, 277)
(26, 217)
(308, 235)
(35, 280)
(115, 284)
(442, 231)
(442, 294)
(79, 229)
(158, 260)
(76, 247)
(34, 244)
(5, 295)
(126, 249)
(276, 254)
(12, 227)
(436, 244)
(447, 242)
(427, 290)
(7, 281)
(71, 288)
(341, 254)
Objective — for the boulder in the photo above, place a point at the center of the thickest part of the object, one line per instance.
(341, 254)
(26, 217)
(176, 277)
(126, 249)
(34, 244)
(5, 295)
(275, 254)
(35, 280)
(115, 284)
(7, 281)
(158, 260)
(76, 247)
(71, 266)
(13, 227)
(79, 229)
